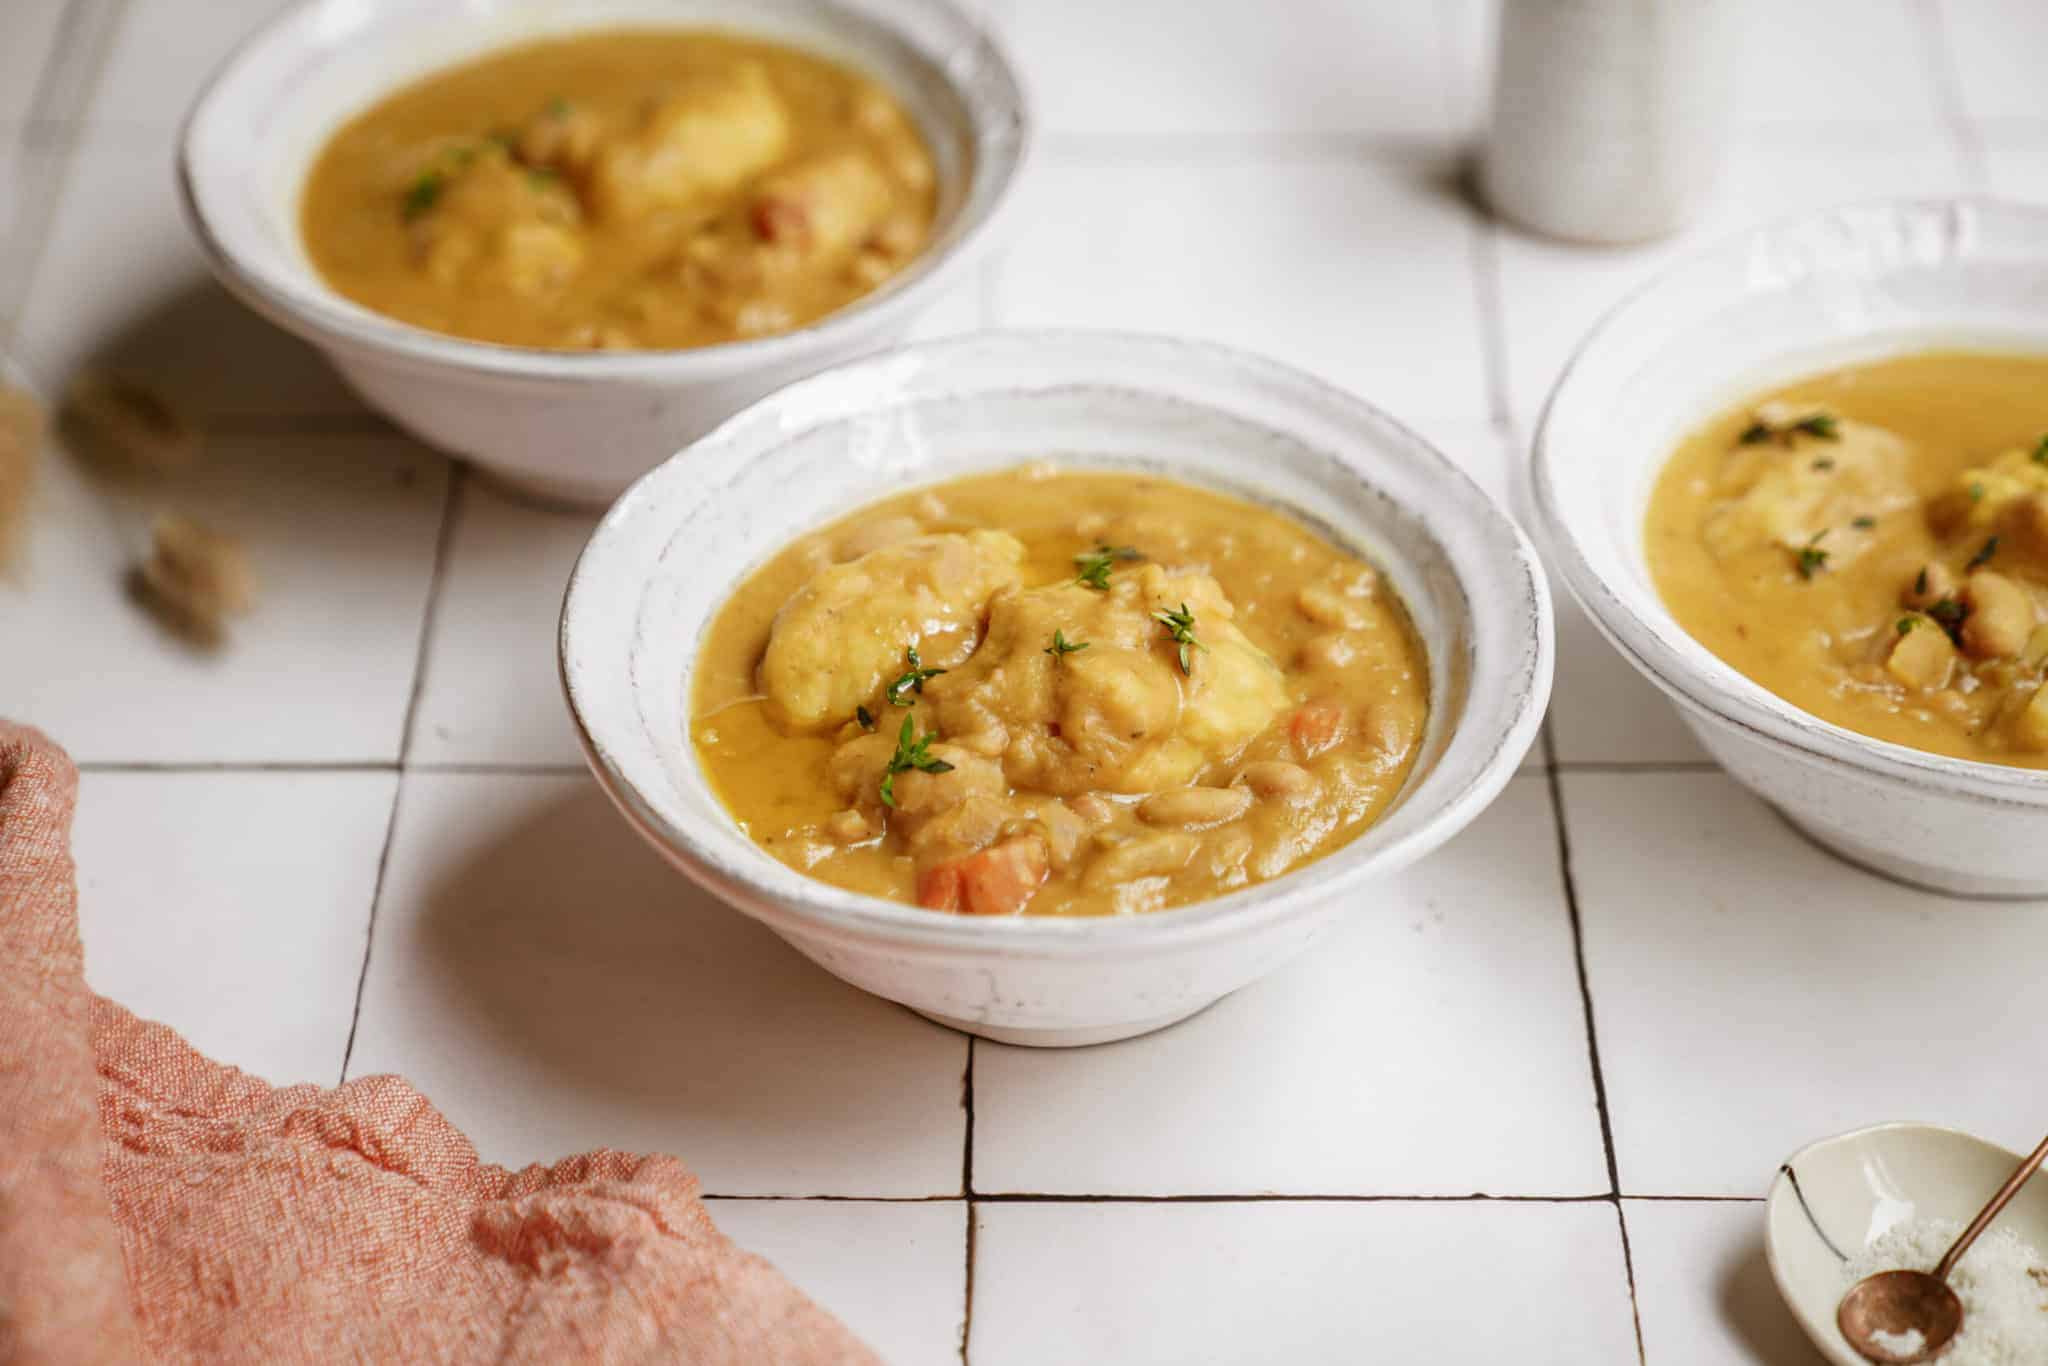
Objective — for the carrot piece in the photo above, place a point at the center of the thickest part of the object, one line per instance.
(938, 889)
(1318, 726)
(996, 881)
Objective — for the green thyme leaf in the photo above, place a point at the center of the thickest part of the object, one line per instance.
(1976, 492)
(2041, 452)
(910, 754)
(1983, 556)
(1181, 626)
(1826, 426)
(911, 680)
(424, 194)
(1094, 565)
(1864, 523)
(1948, 614)
(865, 717)
(1826, 462)
(1907, 623)
(1062, 646)
(1812, 559)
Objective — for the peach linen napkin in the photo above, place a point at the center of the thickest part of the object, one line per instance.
(156, 1205)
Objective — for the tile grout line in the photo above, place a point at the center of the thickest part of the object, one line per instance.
(1220, 1198)
(967, 1194)
(1571, 901)
(444, 541)
(1948, 94)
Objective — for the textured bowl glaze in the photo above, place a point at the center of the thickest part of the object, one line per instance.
(670, 553)
(1834, 1198)
(569, 426)
(1852, 284)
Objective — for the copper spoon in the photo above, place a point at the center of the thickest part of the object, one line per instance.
(1917, 1307)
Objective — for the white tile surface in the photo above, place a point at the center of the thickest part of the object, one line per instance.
(1552, 292)
(1836, 61)
(501, 600)
(1300, 1282)
(2016, 159)
(1753, 994)
(165, 50)
(858, 1258)
(1381, 1064)
(1365, 278)
(27, 36)
(555, 987)
(1703, 1289)
(26, 171)
(1233, 66)
(121, 283)
(1998, 46)
(1475, 446)
(340, 533)
(233, 907)
(1602, 710)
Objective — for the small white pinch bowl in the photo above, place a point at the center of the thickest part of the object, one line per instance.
(1851, 284)
(565, 426)
(669, 554)
(1834, 1198)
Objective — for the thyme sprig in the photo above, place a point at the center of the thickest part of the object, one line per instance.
(1061, 646)
(1811, 558)
(911, 680)
(910, 754)
(1826, 426)
(1181, 626)
(1094, 565)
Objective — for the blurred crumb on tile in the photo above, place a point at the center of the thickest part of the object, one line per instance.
(124, 426)
(195, 578)
(21, 442)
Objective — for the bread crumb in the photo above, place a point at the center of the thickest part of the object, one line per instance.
(21, 444)
(195, 578)
(126, 427)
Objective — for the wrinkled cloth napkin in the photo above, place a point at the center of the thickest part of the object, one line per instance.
(158, 1206)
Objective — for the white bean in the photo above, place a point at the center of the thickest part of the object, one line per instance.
(1146, 856)
(1195, 808)
(1277, 778)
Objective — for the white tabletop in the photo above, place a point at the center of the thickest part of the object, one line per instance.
(1522, 1110)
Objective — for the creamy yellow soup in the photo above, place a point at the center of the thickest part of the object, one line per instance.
(628, 189)
(1052, 692)
(1871, 544)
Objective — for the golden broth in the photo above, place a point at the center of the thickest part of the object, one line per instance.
(1797, 555)
(1149, 694)
(628, 189)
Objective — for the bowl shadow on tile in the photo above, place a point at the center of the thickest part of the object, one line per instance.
(1748, 1301)
(210, 353)
(564, 941)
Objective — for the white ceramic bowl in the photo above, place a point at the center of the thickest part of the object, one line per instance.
(1852, 284)
(574, 427)
(1834, 1198)
(670, 553)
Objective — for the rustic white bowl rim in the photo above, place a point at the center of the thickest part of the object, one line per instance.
(964, 50)
(1634, 620)
(1500, 577)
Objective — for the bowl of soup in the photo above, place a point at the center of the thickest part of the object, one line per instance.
(1801, 483)
(564, 240)
(1055, 685)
